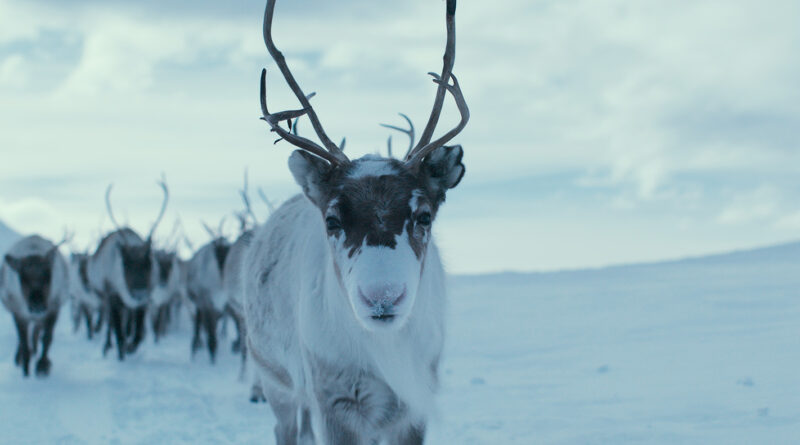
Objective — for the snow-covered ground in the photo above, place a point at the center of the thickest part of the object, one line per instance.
(696, 351)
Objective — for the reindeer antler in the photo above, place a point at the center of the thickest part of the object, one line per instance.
(332, 153)
(424, 146)
(409, 133)
(163, 184)
(108, 206)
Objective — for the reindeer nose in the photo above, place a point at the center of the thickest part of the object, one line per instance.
(384, 296)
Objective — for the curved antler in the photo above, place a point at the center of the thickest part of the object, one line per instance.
(424, 146)
(108, 206)
(332, 153)
(163, 184)
(409, 133)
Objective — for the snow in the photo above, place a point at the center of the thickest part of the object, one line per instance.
(696, 351)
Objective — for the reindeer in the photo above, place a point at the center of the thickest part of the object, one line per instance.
(168, 291)
(205, 290)
(86, 304)
(344, 290)
(34, 283)
(124, 272)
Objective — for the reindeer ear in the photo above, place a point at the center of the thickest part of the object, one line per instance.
(14, 263)
(443, 168)
(311, 173)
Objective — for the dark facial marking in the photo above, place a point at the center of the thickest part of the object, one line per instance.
(165, 260)
(35, 276)
(374, 210)
(221, 249)
(137, 263)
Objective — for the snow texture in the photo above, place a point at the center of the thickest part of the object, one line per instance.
(696, 351)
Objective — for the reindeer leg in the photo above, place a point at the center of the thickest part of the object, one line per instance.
(23, 355)
(157, 323)
(286, 427)
(238, 345)
(101, 317)
(43, 364)
(198, 321)
(88, 316)
(211, 321)
(137, 316)
(115, 322)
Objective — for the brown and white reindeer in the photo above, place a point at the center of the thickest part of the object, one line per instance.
(124, 271)
(344, 290)
(34, 283)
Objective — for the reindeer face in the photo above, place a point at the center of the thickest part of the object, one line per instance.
(35, 275)
(137, 264)
(378, 217)
(166, 283)
(80, 261)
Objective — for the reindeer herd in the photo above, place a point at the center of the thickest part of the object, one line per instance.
(338, 298)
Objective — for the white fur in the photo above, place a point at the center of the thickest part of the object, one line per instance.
(105, 266)
(299, 317)
(164, 293)
(205, 278)
(79, 294)
(11, 288)
(372, 165)
(379, 269)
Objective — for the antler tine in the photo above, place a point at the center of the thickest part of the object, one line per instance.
(266, 200)
(209, 230)
(108, 206)
(221, 226)
(409, 132)
(455, 90)
(333, 153)
(444, 86)
(163, 184)
(275, 119)
(66, 238)
(189, 242)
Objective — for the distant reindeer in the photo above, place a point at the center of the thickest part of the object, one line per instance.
(344, 291)
(205, 290)
(86, 304)
(169, 290)
(34, 283)
(124, 272)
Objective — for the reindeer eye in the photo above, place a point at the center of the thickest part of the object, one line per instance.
(333, 224)
(424, 218)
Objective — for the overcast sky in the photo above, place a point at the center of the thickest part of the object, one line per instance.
(602, 132)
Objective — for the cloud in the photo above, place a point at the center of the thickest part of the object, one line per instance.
(681, 105)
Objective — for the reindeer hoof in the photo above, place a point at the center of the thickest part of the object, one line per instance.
(43, 367)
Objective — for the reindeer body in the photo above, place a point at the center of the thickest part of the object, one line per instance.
(234, 289)
(312, 353)
(168, 292)
(206, 293)
(34, 283)
(85, 303)
(123, 271)
(344, 288)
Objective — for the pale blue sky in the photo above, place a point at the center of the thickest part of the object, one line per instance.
(602, 131)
